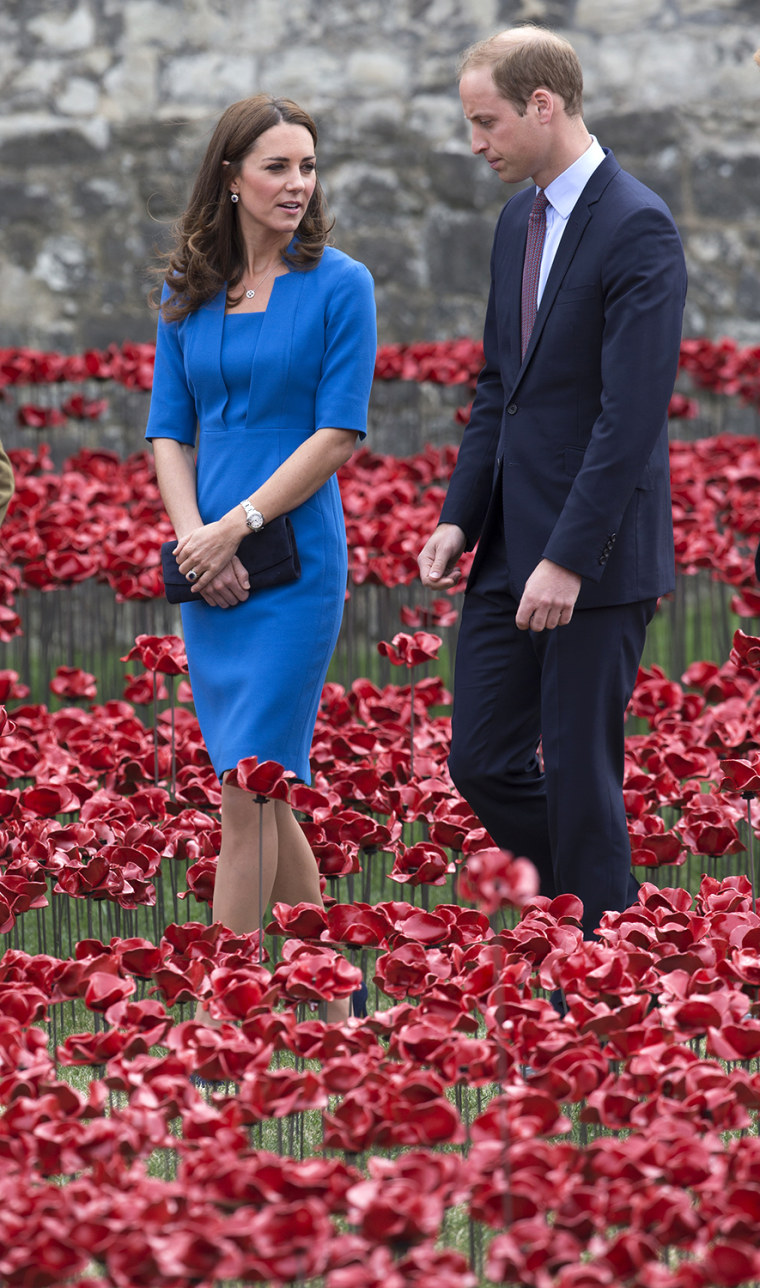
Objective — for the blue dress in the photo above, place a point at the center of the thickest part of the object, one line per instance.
(250, 388)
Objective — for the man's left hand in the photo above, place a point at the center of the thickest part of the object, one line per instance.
(549, 597)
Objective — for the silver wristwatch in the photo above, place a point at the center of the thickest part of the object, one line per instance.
(254, 518)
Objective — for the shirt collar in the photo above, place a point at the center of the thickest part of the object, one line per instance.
(564, 191)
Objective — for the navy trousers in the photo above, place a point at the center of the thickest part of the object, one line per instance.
(567, 689)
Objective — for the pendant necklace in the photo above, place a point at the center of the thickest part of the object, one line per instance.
(250, 293)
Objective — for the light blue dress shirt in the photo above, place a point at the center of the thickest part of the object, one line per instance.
(562, 194)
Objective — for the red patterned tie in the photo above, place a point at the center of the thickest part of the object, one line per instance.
(532, 265)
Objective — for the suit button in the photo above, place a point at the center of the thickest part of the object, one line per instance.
(511, 409)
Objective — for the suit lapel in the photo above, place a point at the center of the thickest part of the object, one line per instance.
(579, 218)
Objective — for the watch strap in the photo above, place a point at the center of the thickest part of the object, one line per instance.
(253, 517)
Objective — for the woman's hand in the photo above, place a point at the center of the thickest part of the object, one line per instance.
(229, 587)
(209, 552)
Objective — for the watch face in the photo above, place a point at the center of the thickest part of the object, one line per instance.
(254, 518)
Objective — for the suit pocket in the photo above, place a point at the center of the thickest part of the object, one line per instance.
(575, 294)
(573, 459)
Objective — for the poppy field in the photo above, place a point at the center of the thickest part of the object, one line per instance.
(461, 1133)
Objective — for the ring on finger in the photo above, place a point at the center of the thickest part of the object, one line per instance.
(192, 575)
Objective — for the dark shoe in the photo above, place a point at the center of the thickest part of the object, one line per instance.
(557, 999)
(206, 1084)
(359, 1001)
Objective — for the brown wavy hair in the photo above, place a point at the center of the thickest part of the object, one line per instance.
(209, 251)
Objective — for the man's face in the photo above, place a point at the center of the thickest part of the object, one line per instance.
(510, 143)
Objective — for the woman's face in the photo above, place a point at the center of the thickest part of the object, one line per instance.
(276, 180)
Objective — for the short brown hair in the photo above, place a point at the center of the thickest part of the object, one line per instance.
(208, 250)
(527, 58)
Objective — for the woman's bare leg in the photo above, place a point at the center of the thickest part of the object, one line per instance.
(287, 871)
(247, 864)
(297, 881)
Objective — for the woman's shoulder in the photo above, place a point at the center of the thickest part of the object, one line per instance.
(171, 292)
(335, 264)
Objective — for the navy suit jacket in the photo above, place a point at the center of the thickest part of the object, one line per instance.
(575, 435)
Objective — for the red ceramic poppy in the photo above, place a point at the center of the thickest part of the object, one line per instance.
(708, 833)
(654, 851)
(495, 879)
(144, 690)
(79, 408)
(312, 974)
(201, 877)
(411, 650)
(303, 920)
(741, 776)
(394, 1211)
(423, 864)
(357, 924)
(72, 682)
(746, 650)
(164, 653)
(33, 417)
(265, 778)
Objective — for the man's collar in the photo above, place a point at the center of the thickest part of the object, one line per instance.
(564, 191)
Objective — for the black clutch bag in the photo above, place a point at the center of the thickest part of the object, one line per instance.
(270, 558)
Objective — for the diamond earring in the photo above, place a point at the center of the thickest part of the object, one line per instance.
(234, 197)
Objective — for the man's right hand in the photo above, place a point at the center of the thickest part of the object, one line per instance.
(438, 557)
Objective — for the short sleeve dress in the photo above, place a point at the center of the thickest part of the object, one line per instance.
(249, 389)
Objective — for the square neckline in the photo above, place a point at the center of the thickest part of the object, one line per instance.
(244, 313)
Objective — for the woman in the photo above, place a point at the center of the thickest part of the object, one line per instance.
(266, 343)
(7, 482)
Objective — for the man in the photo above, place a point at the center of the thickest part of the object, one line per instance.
(562, 475)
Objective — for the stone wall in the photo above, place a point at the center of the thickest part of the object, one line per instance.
(107, 106)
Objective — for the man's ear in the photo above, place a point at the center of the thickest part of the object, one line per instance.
(542, 103)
